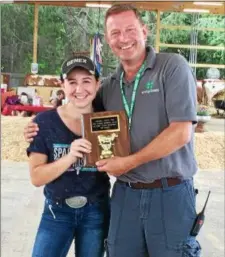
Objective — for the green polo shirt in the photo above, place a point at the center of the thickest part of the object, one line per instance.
(166, 93)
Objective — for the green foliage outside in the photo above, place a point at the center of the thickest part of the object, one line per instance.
(66, 30)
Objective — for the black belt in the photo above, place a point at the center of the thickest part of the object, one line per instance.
(155, 184)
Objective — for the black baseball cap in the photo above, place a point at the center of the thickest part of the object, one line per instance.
(78, 61)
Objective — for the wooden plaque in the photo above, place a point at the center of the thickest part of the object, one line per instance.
(108, 133)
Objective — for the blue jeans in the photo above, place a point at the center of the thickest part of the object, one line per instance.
(60, 224)
(152, 222)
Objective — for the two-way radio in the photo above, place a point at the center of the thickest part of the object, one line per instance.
(199, 221)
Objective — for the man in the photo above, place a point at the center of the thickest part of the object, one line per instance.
(153, 199)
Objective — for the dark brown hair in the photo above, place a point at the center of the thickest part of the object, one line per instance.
(119, 8)
(60, 92)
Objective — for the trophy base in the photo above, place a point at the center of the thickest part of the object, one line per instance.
(106, 156)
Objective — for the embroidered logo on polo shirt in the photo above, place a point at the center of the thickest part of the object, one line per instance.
(149, 85)
(149, 88)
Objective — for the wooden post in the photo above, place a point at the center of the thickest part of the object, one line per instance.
(35, 36)
(157, 39)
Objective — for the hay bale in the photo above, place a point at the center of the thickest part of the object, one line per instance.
(13, 144)
(209, 150)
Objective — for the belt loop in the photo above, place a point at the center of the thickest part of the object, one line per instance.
(164, 182)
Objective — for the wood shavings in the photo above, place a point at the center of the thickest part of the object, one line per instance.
(209, 146)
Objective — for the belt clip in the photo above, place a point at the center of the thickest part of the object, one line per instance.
(129, 184)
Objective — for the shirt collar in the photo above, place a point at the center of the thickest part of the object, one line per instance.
(150, 62)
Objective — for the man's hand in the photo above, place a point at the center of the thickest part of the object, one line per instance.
(115, 166)
(30, 131)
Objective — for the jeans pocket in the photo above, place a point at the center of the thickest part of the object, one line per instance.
(191, 248)
(57, 212)
(192, 195)
(49, 209)
(178, 215)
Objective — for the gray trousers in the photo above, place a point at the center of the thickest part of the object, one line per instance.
(152, 222)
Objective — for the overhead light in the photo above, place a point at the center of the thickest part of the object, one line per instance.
(6, 1)
(197, 10)
(209, 3)
(98, 5)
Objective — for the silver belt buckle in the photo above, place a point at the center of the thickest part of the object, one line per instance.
(76, 201)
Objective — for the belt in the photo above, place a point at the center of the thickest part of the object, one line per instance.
(155, 184)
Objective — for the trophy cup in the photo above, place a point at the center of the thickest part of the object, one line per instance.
(108, 133)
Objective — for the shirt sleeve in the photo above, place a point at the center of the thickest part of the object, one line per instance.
(38, 145)
(180, 90)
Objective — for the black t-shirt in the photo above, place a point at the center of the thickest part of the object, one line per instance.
(54, 140)
(98, 103)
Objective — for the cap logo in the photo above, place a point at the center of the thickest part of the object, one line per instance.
(79, 60)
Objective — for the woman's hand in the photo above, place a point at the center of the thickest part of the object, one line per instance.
(78, 148)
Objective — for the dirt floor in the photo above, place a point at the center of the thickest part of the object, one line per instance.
(22, 205)
(209, 146)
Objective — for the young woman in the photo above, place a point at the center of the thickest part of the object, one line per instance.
(77, 201)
